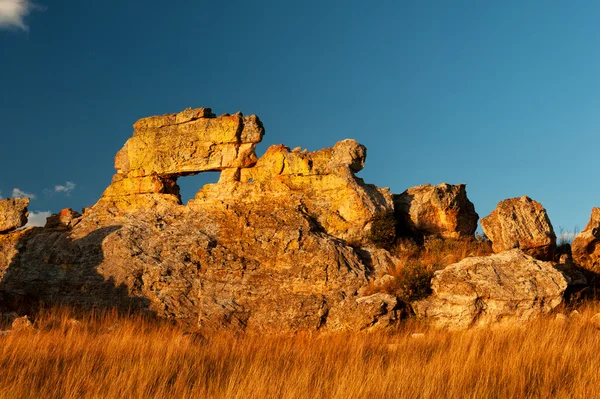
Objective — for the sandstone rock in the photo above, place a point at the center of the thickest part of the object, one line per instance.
(586, 246)
(13, 213)
(442, 210)
(64, 219)
(521, 223)
(506, 287)
(321, 183)
(166, 147)
(264, 249)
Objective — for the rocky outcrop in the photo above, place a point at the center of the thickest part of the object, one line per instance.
(586, 246)
(321, 183)
(66, 218)
(521, 223)
(13, 213)
(506, 287)
(267, 248)
(166, 147)
(443, 210)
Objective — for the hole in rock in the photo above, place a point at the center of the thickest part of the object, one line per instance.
(190, 185)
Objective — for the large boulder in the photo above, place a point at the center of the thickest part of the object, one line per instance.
(443, 210)
(586, 246)
(521, 223)
(506, 287)
(13, 213)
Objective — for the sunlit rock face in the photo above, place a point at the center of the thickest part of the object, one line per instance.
(586, 246)
(443, 210)
(521, 223)
(13, 213)
(166, 147)
(509, 287)
(280, 243)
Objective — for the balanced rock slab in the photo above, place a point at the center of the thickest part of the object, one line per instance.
(521, 223)
(166, 147)
(586, 246)
(506, 287)
(13, 213)
(443, 210)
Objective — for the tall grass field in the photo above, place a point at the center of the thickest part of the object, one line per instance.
(107, 355)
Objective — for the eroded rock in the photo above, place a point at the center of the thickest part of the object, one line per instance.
(166, 147)
(267, 248)
(502, 288)
(443, 210)
(521, 223)
(13, 213)
(66, 218)
(586, 246)
(321, 183)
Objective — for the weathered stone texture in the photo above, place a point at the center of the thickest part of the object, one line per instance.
(265, 249)
(506, 287)
(443, 210)
(322, 183)
(13, 213)
(165, 147)
(521, 223)
(586, 246)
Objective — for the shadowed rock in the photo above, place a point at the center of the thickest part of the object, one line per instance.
(586, 246)
(13, 213)
(443, 210)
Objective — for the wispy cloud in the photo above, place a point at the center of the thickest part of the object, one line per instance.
(18, 193)
(66, 188)
(37, 219)
(13, 13)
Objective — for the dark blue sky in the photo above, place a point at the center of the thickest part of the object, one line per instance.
(500, 96)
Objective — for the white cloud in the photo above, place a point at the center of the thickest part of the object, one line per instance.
(37, 219)
(67, 188)
(13, 13)
(18, 193)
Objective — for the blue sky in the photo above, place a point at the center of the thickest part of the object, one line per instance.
(502, 96)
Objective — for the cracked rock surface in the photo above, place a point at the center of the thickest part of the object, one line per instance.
(506, 287)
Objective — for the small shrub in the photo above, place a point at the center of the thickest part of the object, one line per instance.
(414, 282)
(383, 230)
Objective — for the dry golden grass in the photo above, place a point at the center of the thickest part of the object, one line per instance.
(112, 356)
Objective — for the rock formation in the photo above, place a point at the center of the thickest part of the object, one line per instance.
(13, 213)
(166, 147)
(291, 241)
(586, 246)
(506, 287)
(443, 210)
(521, 223)
(65, 218)
(265, 249)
